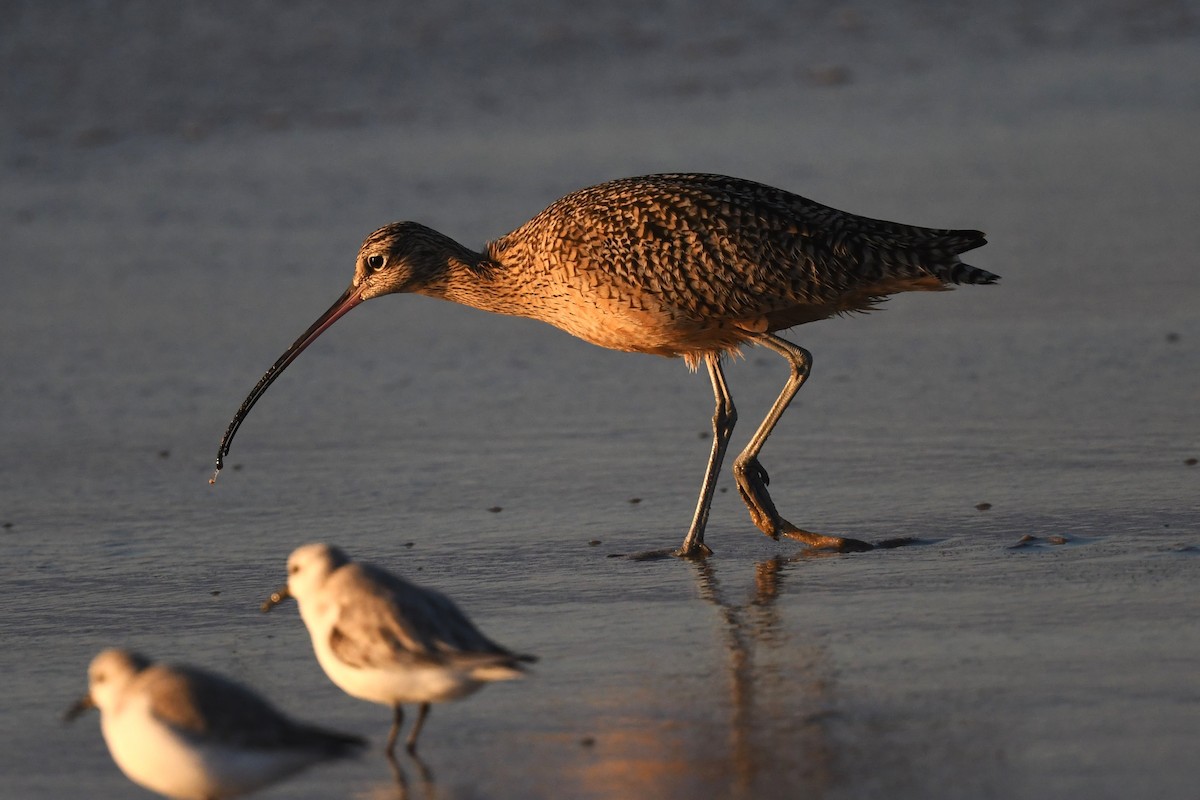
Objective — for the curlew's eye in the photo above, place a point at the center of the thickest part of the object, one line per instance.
(376, 262)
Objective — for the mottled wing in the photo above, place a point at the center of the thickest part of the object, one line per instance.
(384, 621)
(714, 247)
(211, 708)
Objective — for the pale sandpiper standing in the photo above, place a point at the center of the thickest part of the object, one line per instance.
(382, 639)
(189, 734)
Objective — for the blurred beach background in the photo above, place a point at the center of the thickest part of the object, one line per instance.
(183, 188)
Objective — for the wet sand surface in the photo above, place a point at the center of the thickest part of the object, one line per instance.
(1044, 645)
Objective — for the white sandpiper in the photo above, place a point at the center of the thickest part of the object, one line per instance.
(193, 735)
(382, 639)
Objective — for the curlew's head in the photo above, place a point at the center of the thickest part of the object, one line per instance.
(401, 257)
(406, 257)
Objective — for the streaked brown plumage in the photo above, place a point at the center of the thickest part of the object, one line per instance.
(682, 265)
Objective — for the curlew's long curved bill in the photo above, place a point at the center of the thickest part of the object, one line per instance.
(349, 299)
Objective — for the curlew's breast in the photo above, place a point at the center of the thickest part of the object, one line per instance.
(613, 299)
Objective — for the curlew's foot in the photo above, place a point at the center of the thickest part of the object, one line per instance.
(821, 541)
(752, 482)
(695, 551)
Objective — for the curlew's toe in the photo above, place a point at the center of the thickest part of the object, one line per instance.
(820, 541)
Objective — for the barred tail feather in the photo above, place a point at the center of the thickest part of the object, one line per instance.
(965, 273)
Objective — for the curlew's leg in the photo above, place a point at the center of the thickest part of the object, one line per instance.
(724, 418)
(411, 743)
(397, 721)
(752, 479)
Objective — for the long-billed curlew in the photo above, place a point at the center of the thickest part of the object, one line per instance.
(383, 639)
(677, 265)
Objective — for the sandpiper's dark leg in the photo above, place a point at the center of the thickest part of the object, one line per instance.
(411, 744)
(752, 479)
(724, 418)
(398, 775)
(397, 721)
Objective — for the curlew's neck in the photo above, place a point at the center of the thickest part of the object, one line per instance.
(489, 281)
(445, 269)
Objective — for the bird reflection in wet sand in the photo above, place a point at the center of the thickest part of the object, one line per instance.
(683, 265)
(751, 710)
(401, 787)
(780, 690)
